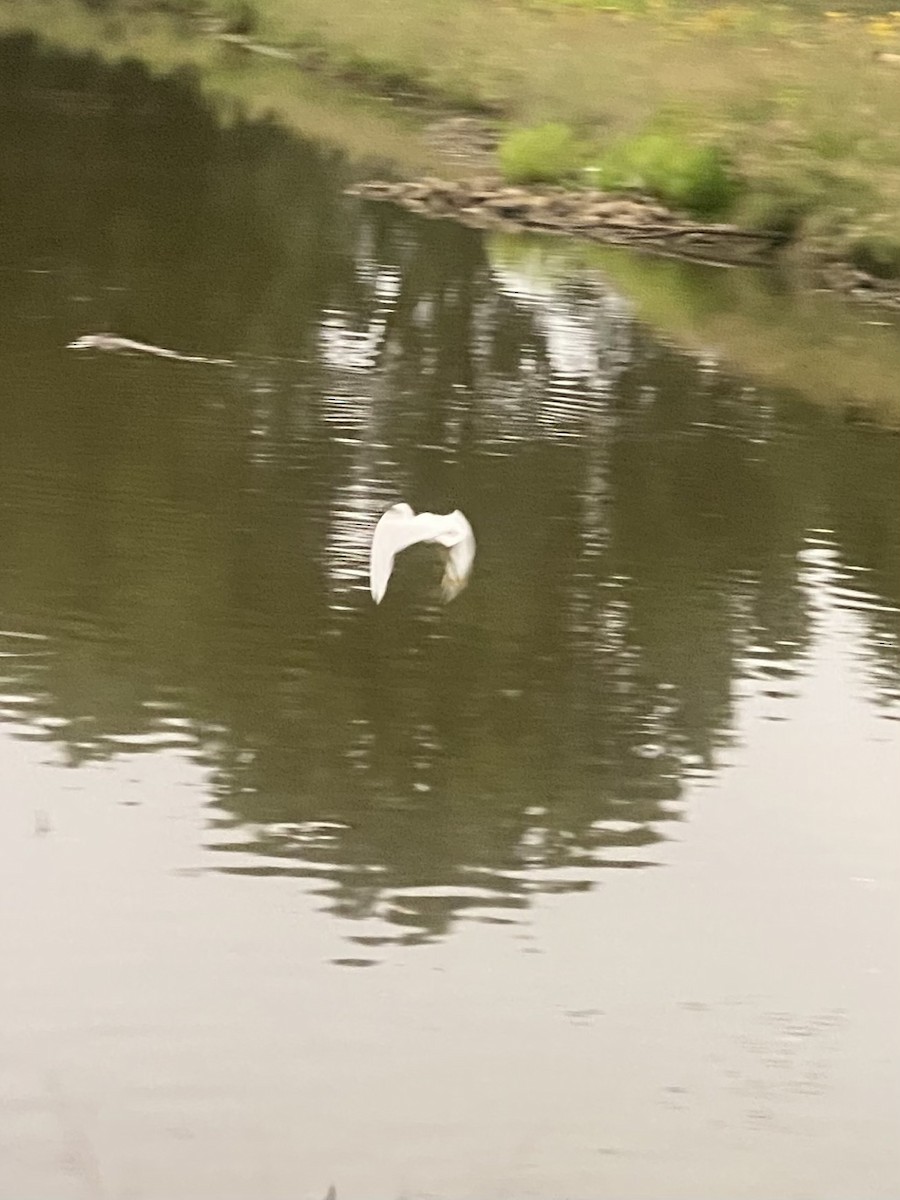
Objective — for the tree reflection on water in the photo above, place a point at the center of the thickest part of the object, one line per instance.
(186, 546)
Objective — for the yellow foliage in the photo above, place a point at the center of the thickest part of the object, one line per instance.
(880, 28)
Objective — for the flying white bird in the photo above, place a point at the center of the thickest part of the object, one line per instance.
(399, 527)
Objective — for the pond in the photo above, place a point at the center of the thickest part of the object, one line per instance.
(584, 885)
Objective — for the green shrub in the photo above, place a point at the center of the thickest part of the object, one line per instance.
(543, 154)
(833, 144)
(877, 253)
(805, 197)
(696, 178)
(772, 211)
(778, 205)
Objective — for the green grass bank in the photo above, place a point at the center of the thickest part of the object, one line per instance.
(775, 116)
(783, 117)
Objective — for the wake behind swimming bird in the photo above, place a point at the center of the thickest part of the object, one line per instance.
(111, 343)
(399, 527)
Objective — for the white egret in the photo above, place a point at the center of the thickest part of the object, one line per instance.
(399, 527)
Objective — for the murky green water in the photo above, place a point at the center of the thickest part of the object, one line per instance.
(584, 886)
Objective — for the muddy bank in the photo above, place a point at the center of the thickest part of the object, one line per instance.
(640, 222)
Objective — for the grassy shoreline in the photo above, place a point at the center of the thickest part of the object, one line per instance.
(774, 117)
(814, 344)
(768, 116)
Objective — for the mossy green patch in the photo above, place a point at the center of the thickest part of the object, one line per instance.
(550, 153)
(688, 176)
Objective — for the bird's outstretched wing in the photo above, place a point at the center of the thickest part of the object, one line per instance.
(399, 527)
(393, 533)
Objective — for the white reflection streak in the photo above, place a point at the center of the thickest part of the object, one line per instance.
(357, 506)
(370, 482)
(347, 349)
(585, 340)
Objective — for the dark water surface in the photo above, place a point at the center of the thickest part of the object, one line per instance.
(615, 835)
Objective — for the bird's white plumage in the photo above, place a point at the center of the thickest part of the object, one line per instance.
(399, 527)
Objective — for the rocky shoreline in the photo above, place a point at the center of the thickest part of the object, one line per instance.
(639, 222)
(835, 275)
(625, 220)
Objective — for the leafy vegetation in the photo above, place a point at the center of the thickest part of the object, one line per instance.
(878, 253)
(687, 176)
(549, 153)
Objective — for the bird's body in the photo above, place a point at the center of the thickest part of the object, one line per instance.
(399, 527)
